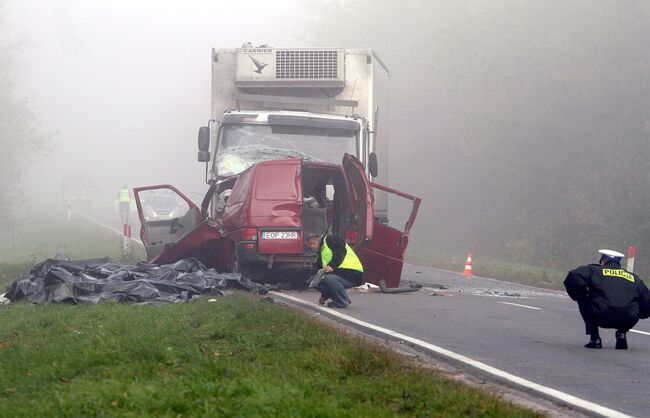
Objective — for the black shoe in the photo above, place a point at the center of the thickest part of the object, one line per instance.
(594, 342)
(335, 305)
(621, 341)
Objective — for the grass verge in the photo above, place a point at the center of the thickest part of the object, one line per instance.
(235, 357)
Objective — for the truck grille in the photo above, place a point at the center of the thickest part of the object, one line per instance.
(306, 64)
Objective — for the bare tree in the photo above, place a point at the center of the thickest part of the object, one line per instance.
(20, 140)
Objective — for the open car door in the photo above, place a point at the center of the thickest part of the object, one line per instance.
(173, 228)
(166, 216)
(383, 256)
(361, 197)
(380, 247)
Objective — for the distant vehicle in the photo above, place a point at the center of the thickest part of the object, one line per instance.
(163, 206)
(266, 212)
(76, 193)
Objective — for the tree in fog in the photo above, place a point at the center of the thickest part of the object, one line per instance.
(524, 125)
(19, 137)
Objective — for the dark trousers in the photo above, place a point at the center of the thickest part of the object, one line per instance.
(333, 287)
(587, 313)
(592, 322)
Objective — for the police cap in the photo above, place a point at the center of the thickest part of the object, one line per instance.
(614, 255)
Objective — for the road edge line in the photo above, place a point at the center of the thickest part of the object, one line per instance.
(484, 368)
(112, 229)
(520, 305)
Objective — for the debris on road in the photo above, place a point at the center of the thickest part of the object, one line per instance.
(367, 287)
(512, 294)
(103, 279)
(386, 289)
(437, 293)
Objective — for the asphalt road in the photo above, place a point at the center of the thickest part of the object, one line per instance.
(531, 333)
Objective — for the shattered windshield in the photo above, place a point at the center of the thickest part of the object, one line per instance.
(242, 146)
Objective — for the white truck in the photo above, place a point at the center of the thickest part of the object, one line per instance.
(311, 103)
(296, 146)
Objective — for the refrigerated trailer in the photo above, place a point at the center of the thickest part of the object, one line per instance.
(312, 103)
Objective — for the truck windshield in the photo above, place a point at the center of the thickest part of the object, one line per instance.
(241, 146)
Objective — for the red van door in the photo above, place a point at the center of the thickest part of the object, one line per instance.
(275, 207)
(383, 256)
(381, 247)
(361, 197)
(172, 227)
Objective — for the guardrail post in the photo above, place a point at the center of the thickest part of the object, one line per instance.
(126, 239)
(631, 253)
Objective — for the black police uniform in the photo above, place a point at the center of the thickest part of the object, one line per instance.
(608, 296)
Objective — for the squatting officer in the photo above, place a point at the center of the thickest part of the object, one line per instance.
(342, 269)
(608, 297)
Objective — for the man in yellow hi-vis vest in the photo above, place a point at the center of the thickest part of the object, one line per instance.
(342, 269)
(124, 202)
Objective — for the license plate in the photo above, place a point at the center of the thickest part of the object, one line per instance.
(280, 235)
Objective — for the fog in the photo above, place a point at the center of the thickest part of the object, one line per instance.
(523, 125)
(124, 86)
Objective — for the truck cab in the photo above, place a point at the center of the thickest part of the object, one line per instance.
(311, 103)
(244, 139)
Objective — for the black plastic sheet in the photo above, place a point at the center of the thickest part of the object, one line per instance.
(103, 279)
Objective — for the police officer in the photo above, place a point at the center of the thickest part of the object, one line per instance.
(608, 297)
(124, 202)
(342, 269)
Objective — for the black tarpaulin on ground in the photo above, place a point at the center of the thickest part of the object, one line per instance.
(97, 280)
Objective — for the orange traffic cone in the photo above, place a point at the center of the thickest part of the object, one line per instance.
(468, 266)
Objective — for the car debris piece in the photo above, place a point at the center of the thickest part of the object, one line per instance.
(436, 293)
(512, 294)
(385, 289)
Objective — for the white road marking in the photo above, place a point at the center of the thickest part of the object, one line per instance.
(554, 393)
(121, 233)
(523, 306)
(640, 332)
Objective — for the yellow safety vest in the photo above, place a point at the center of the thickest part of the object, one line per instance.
(123, 195)
(351, 261)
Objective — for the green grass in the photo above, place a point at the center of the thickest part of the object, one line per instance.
(11, 271)
(527, 274)
(236, 357)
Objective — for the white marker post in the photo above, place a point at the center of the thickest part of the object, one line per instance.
(631, 253)
(126, 239)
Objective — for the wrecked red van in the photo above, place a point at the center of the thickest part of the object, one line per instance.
(263, 215)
